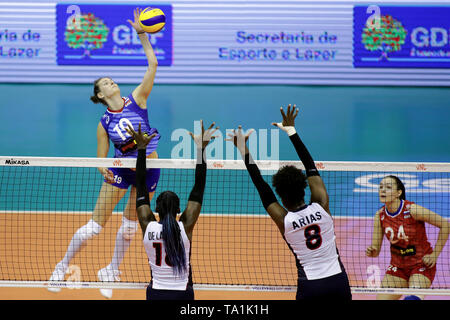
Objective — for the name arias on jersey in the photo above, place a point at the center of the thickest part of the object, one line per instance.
(304, 221)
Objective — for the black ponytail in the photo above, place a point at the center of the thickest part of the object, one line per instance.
(167, 206)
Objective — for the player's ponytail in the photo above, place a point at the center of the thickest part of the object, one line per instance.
(167, 206)
(95, 98)
(400, 186)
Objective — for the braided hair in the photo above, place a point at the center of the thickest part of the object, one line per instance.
(167, 206)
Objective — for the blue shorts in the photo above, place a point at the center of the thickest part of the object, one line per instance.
(124, 177)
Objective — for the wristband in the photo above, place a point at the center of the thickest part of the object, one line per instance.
(290, 130)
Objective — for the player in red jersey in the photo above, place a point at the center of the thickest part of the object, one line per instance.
(413, 260)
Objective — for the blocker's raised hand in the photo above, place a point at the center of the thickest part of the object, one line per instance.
(135, 24)
(142, 139)
(288, 124)
(206, 136)
(239, 138)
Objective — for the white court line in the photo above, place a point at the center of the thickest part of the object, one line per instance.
(143, 285)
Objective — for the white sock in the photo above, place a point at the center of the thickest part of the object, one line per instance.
(79, 240)
(123, 240)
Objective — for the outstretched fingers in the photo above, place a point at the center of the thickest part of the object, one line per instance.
(230, 136)
(211, 130)
(248, 133)
(276, 124)
(288, 116)
(292, 112)
(137, 12)
(206, 135)
(238, 134)
(131, 131)
(296, 112)
(212, 125)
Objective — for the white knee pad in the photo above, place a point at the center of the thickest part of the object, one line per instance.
(129, 228)
(89, 230)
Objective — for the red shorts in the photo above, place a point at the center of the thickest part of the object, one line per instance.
(406, 273)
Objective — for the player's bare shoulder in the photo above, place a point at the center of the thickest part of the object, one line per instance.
(379, 213)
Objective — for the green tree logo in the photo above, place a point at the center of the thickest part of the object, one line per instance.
(387, 35)
(86, 31)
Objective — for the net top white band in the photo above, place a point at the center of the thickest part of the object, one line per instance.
(222, 164)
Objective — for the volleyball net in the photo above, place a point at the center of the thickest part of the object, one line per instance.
(235, 246)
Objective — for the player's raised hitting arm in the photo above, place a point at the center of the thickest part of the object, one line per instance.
(144, 212)
(190, 215)
(142, 92)
(318, 190)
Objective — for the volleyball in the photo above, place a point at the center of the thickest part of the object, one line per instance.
(152, 20)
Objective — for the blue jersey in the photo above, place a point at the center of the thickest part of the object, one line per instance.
(116, 122)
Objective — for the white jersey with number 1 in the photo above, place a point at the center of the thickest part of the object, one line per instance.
(162, 273)
(310, 235)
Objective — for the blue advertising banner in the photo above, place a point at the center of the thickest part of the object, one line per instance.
(96, 34)
(401, 36)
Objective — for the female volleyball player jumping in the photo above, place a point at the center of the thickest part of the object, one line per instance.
(413, 260)
(168, 242)
(307, 229)
(121, 112)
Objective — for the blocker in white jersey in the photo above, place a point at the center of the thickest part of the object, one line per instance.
(307, 229)
(163, 276)
(167, 242)
(310, 235)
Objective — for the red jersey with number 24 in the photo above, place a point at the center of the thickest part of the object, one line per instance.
(406, 235)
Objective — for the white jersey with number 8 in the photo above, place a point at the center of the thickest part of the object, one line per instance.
(310, 235)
